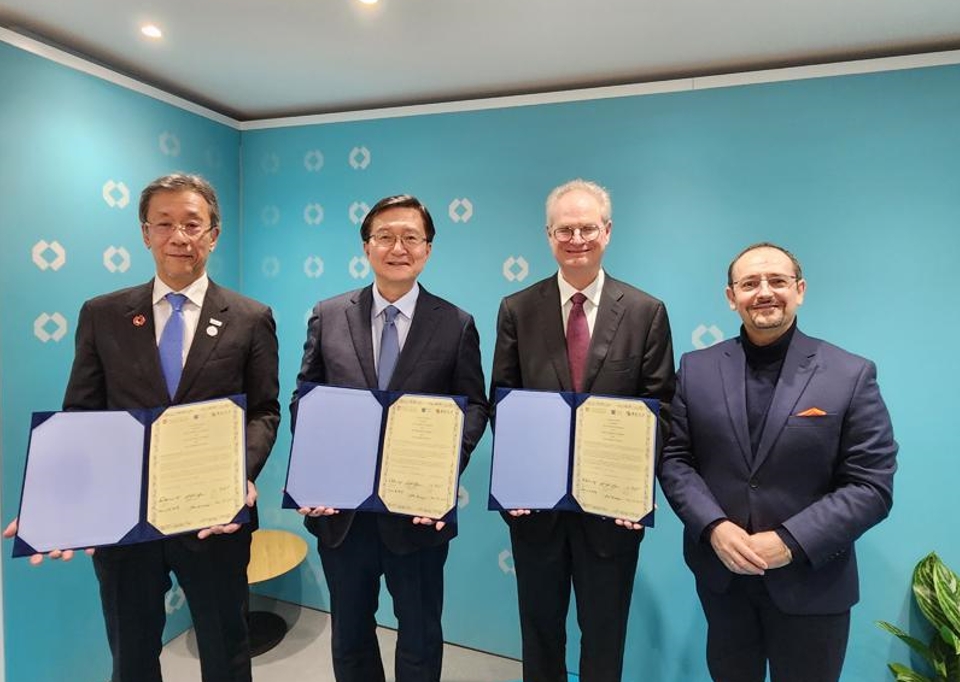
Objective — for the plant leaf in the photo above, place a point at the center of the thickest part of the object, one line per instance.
(946, 586)
(912, 642)
(905, 674)
(924, 591)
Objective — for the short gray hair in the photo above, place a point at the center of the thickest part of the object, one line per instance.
(593, 189)
(181, 182)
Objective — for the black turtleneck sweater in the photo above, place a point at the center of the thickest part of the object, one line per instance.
(763, 369)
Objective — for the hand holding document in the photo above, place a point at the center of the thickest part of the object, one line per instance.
(375, 451)
(87, 483)
(576, 452)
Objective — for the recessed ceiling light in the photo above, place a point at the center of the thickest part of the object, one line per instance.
(151, 31)
(369, 2)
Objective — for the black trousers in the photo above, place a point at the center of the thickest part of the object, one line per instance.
(745, 631)
(603, 586)
(414, 580)
(213, 574)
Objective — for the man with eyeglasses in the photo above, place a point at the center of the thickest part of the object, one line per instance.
(179, 338)
(781, 455)
(392, 335)
(579, 330)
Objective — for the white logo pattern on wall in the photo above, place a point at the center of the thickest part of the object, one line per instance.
(704, 336)
(40, 258)
(313, 214)
(116, 194)
(116, 259)
(270, 267)
(270, 215)
(460, 210)
(270, 163)
(358, 211)
(174, 600)
(359, 267)
(313, 160)
(313, 267)
(463, 497)
(359, 158)
(506, 562)
(43, 330)
(515, 269)
(169, 144)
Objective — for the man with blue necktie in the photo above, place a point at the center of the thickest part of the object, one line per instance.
(393, 335)
(179, 338)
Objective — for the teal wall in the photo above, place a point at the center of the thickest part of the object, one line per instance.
(63, 136)
(858, 175)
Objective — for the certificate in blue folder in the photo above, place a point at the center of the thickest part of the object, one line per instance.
(103, 478)
(574, 452)
(371, 450)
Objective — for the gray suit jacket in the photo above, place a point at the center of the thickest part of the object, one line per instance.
(441, 355)
(630, 354)
(117, 365)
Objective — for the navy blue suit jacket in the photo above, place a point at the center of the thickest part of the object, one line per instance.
(441, 355)
(825, 479)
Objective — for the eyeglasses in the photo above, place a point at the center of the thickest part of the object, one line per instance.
(387, 240)
(192, 228)
(748, 285)
(587, 233)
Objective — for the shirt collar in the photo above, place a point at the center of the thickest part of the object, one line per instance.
(195, 291)
(405, 304)
(592, 291)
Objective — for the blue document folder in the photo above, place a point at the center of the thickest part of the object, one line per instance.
(85, 481)
(337, 450)
(533, 450)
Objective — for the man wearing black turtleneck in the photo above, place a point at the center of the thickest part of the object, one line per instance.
(781, 455)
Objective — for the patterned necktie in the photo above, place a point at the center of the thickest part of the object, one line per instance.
(578, 340)
(389, 347)
(171, 344)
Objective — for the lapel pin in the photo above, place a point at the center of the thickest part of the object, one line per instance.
(215, 321)
(212, 331)
(139, 320)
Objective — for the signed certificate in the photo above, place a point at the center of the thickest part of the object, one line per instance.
(421, 456)
(197, 467)
(613, 457)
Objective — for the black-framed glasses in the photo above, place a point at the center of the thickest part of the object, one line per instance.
(748, 285)
(387, 240)
(192, 228)
(586, 232)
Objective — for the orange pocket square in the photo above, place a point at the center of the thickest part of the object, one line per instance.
(812, 412)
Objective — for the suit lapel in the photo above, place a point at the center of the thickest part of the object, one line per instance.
(143, 352)
(798, 369)
(215, 308)
(605, 327)
(733, 377)
(424, 322)
(549, 319)
(358, 319)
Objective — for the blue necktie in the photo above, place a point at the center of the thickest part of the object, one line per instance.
(389, 347)
(171, 344)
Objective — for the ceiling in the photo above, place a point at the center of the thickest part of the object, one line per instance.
(257, 59)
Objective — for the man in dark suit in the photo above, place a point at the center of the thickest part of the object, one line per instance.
(348, 344)
(228, 346)
(624, 349)
(781, 455)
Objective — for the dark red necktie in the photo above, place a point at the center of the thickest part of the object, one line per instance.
(578, 340)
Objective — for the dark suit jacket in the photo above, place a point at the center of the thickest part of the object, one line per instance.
(117, 365)
(441, 355)
(825, 479)
(630, 354)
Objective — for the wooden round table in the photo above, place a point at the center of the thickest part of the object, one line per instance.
(272, 553)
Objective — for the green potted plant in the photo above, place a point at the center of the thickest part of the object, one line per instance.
(937, 591)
